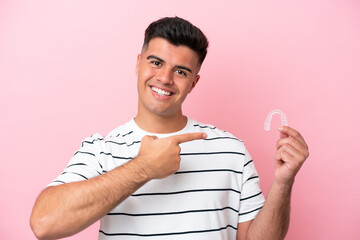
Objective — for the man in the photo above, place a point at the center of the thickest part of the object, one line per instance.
(163, 175)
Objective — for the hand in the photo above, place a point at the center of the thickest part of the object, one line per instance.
(292, 151)
(161, 157)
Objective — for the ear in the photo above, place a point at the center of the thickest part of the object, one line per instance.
(137, 64)
(195, 82)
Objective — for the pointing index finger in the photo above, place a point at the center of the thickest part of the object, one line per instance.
(187, 137)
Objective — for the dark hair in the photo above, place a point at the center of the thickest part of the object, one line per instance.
(178, 32)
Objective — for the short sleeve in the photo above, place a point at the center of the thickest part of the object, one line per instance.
(86, 162)
(252, 199)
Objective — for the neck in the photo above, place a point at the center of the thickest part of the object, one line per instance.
(161, 124)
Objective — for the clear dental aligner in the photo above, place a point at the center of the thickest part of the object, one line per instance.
(267, 122)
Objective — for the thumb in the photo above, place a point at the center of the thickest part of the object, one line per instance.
(282, 134)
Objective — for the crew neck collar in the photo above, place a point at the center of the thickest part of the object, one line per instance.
(142, 132)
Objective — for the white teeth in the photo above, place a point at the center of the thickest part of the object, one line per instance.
(160, 91)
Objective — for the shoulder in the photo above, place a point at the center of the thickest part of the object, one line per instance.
(121, 131)
(100, 142)
(94, 139)
(217, 135)
(212, 130)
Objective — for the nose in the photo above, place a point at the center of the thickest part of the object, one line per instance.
(165, 76)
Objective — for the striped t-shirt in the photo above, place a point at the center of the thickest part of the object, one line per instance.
(215, 188)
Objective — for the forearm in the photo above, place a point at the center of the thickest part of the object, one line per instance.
(272, 222)
(69, 208)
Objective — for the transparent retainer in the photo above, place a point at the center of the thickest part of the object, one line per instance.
(267, 122)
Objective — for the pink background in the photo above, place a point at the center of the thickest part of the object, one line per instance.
(67, 70)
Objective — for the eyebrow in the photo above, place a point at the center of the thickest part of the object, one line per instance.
(161, 60)
(155, 57)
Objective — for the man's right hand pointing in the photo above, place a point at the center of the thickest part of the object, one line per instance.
(160, 157)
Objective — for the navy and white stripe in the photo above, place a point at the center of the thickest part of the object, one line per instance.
(216, 187)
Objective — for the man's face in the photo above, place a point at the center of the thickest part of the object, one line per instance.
(166, 75)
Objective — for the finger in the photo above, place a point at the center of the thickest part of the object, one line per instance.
(291, 141)
(283, 135)
(292, 154)
(285, 159)
(188, 137)
(293, 133)
(291, 150)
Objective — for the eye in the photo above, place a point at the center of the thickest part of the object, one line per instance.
(180, 72)
(156, 63)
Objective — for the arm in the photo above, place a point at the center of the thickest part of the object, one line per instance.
(66, 209)
(272, 222)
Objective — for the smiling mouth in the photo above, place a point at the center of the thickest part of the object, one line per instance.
(161, 92)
